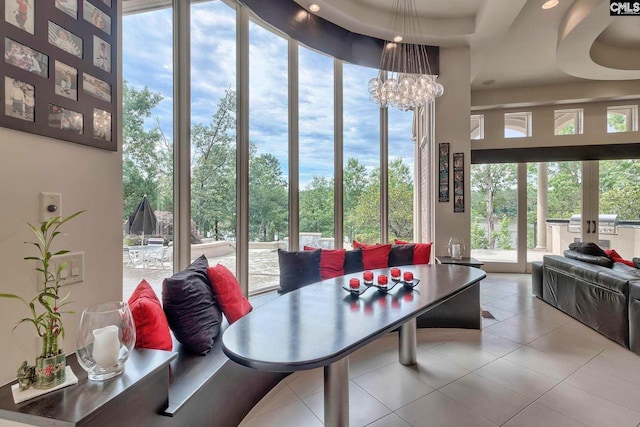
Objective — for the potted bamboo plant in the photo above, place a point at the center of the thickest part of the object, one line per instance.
(46, 309)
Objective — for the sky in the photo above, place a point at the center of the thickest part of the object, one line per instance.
(213, 63)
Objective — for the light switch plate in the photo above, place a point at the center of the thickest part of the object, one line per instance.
(73, 272)
(50, 199)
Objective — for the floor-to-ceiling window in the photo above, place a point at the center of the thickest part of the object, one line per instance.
(361, 158)
(275, 105)
(316, 169)
(213, 132)
(401, 175)
(147, 149)
(269, 154)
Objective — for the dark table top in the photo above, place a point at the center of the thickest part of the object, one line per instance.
(321, 323)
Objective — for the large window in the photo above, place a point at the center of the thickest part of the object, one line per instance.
(316, 149)
(216, 122)
(213, 133)
(401, 161)
(147, 149)
(268, 160)
(361, 158)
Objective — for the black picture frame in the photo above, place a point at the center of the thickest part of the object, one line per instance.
(443, 172)
(458, 182)
(31, 59)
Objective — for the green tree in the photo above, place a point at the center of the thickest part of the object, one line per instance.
(355, 181)
(146, 152)
(400, 201)
(565, 189)
(492, 186)
(268, 213)
(503, 236)
(316, 207)
(213, 171)
(619, 191)
(478, 236)
(364, 217)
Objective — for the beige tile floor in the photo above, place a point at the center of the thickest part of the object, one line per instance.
(531, 366)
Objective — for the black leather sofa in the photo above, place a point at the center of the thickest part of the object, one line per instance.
(594, 290)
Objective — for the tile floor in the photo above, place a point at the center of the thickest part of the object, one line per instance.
(530, 366)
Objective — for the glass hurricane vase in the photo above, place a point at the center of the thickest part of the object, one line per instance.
(105, 339)
(455, 248)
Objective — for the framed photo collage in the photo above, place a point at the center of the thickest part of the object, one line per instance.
(58, 74)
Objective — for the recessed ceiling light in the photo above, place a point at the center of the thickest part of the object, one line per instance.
(550, 4)
(314, 7)
(397, 39)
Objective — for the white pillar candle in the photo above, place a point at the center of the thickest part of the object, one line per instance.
(106, 346)
(455, 250)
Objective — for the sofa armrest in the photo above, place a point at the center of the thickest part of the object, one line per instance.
(536, 278)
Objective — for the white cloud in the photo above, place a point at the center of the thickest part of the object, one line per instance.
(213, 70)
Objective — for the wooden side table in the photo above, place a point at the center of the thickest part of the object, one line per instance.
(468, 261)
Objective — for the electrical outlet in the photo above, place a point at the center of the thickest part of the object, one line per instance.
(73, 271)
(50, 206)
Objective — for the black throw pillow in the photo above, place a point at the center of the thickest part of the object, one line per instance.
(636, 262)
(587, 248)
(298, 268)
(353, 261)
(401, 255)
(190, 306)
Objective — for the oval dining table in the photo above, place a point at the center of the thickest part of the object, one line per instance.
(320, 324)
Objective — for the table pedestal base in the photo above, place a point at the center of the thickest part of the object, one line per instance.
(408, 342)
(336, 393)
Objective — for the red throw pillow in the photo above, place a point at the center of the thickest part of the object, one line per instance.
(228, 294)
(615, 257)
(422, 253)
(375, 256)
(331, 262)
(400, 242)
(152, 328)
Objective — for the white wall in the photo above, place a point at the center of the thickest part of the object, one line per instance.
(452, 125)
(88, 178)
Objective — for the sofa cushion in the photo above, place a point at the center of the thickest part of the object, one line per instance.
(603, 261)
(152, 328)
(353, 261)
(227, 290)
(401, 255)
(190, 306)
(331, 262)
(587, 248)
(298, 269)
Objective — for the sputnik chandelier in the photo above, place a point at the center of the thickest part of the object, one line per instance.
(404, 80)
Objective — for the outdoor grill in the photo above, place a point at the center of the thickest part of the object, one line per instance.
(607, 224)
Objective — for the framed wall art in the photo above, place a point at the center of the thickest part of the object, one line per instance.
(458, 182)
(443, 172)
(57, 77)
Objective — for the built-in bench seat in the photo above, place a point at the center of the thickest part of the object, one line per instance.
(213, 390)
